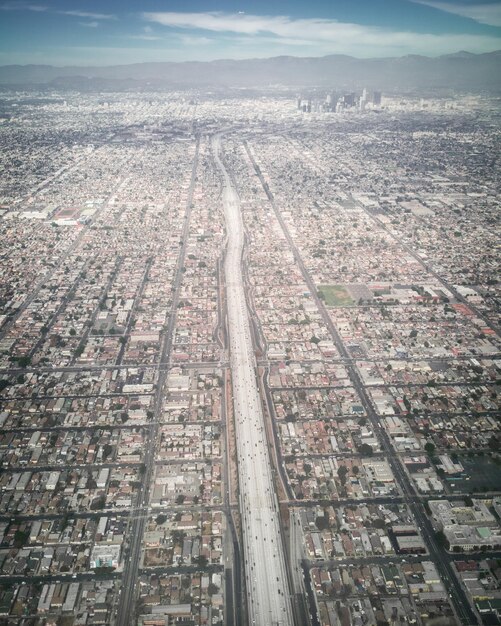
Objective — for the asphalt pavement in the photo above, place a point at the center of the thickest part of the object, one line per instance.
(266, 576)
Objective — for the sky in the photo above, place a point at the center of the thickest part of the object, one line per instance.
(110, 32)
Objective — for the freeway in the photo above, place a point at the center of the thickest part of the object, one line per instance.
(457, 594)
(265, 568)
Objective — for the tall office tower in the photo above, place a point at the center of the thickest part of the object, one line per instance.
(376, 97)
(349, 99)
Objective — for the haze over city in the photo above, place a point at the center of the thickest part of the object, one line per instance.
(118, 31)
(250, 313)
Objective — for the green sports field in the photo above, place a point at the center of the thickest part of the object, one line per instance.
(335, 295)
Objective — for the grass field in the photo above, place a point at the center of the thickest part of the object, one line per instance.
(335, 295)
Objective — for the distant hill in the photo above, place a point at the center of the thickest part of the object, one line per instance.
(460, 71)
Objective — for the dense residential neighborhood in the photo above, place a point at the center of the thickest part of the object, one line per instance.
(370, 272)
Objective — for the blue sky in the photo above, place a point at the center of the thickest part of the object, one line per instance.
(102, 32)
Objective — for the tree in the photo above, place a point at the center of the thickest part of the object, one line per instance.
(494, 443)
(342, 472)
(161, 519)
(98, 503)
(429, 447)
(441, 539)
(322, 522)
(201, 560)
(365, 449)
(180, 499)
(24, 361)
(212, 589)
(20, 538)
(178, 536)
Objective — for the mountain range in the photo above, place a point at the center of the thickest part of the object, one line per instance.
(459, 71)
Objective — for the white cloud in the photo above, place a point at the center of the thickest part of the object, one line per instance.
(89, 24)
(26, 6)
(23, 6)
(186, 40)
(483, 13)
(330, 35)
(193, 40)
(279, 25)
(90, 15)
(145, 37)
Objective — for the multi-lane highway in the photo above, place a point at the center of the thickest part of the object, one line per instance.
(264, 561)
(443, 562)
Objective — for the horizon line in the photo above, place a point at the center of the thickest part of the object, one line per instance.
(278, 56)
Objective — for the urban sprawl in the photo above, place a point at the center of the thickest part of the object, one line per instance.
(249, 354)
